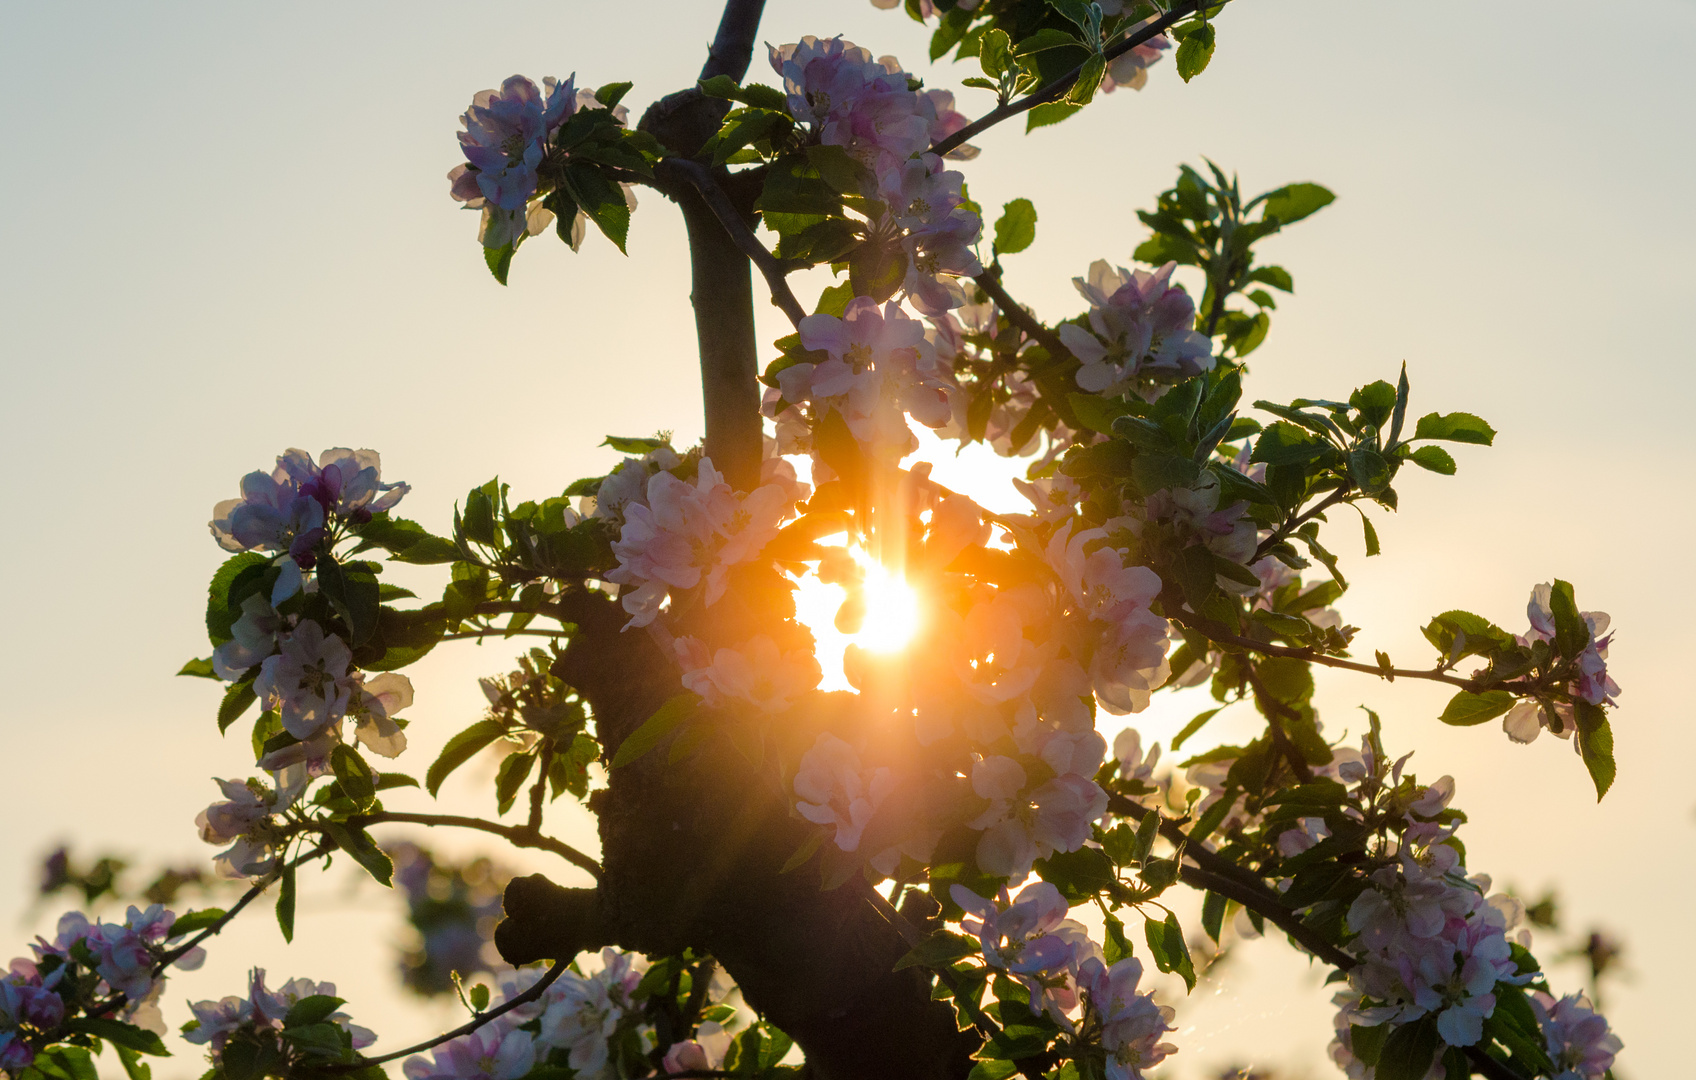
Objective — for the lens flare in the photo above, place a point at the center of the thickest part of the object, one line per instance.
(892, 615)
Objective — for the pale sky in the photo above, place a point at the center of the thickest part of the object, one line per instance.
(226, 231)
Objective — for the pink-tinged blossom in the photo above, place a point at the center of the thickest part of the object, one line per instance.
(994, 658)
(272, 514)
(498, 1051)
(1141, 328)
(627, 483)
(702, 1053)
(1020, 826)
(835, 790)
(253, 637)
(1131, 1023)
(1023, 937)
(582, 1013)
(1133, 764)
(15, 1053)
(346, 483)
(877, 358)
(688, 535)
(866, 107)
(244, 821)
(307, 682)
(1130, 661)
(756, 673)
(504, 141)
(1095, 574)
(381, 698)
(1576, 1036)
(1130, 69)
(1591, 684)
(947, 120)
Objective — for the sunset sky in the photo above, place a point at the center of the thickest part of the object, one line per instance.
(227, 231)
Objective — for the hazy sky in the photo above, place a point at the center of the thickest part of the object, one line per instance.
(226, 231)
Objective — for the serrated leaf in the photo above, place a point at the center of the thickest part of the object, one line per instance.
(1050, 112)
(1015, 230)
(1291, 203)
(314, 1009)
(1434, 458)
(1466, 709)
(1408, 1050)
(200, 669)
(938, 951)
(357, 781)
(499, 260)
(656, 727)
(119, 1033)
(460, 749)
(190, 922)
(1595, 745)
(365, 852)
(1455, 427)
(1171, 953)
(1195, 52)
(285, 904)
(236, 701)
(510, 777)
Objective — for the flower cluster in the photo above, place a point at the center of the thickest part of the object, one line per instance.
(1591, 682)
(1067, 976)
(263, 1014)
(686, 534)
(878, 367)
(1141, 332)
(1576, 1036)
(874, 111)
(246, 820)
(83, 968)
(594, 1024)
(295, 507)
(507, 149)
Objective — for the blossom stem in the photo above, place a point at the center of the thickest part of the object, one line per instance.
(701, 179)
(476, 1022)
(1059, 86)
(990, 282)
(517, 835)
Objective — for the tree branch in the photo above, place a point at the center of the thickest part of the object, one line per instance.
(732, 49)
(517, 835)
(1313, 656)
(1059, 86)
(476, 1022)
(1282, 532)
(990, 282)
(701, 179)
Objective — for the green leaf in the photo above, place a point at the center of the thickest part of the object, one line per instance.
(460, 749)
(190, 922)
(1275, 276)
(200, 669)
(1116, 945)
(1015, 230)
(1434, 458)
(1171, 953)
(134, 1067)
(1192, 727)
(1466, 709)
(240, 577)
(656, 727)
(405, 540)
(1195, 52)
(602, 200)
(478, 996)
(1455, 427)
(1368, 1042)
(355, 777)
(1595, 745)
(1283, 443)
(1291, 203)
(834, 300)
(612, 93)
(499, 260)
(1213, 915)
(285, 904)
(995, 50)
(119, 1033)
(365, 852)
(236, 701)
(1409, 1050)
(312, 1010)
(510, 777)
(1370, 472)
(938, 951)
(1572, 633)
(1050, 112)
(992, 1070)
(1372, 545)
(395, 780)
(352, 590)
(1080, 875)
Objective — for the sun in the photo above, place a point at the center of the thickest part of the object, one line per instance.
(893, 615)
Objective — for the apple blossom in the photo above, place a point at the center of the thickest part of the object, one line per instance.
(834, 790)
(756, 674)
(243, 820)
(704, 1052)
(1131, 1023)
(307, 682)
(499, 1051)
(1141, 329)
(1576, 1036)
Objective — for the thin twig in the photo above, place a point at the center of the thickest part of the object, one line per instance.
(476, 1022)
(1059, 86)
(1313, 656)
(701, 179)
(1284, 531)
(517, 835)
(990, 282)
(1276, 712)
(544, 762)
